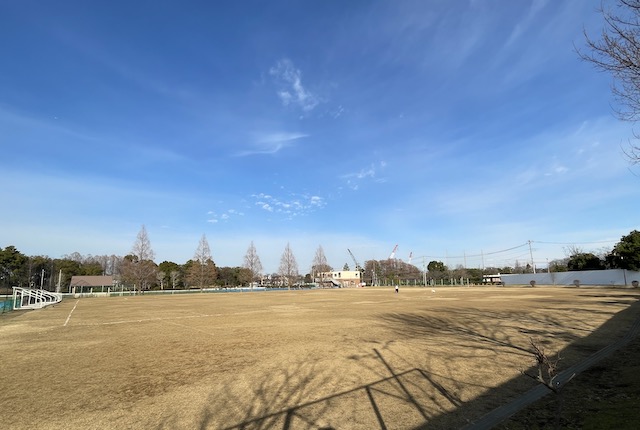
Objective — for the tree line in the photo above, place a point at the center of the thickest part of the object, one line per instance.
(137, 270)
(624, 255)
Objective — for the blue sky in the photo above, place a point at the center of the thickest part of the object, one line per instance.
(455, 129)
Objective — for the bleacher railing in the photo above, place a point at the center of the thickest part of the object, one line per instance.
(30, 298)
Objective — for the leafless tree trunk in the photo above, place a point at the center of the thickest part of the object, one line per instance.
(252, 263)
(160, 277)
(319, 265)
(288, 266)
(546, 368)
(142, 246)
(175, 275)
(138, 267)
(546, 374)
(203, 270)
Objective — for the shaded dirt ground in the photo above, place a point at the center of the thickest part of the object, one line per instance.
(330, 359)
(605, 396)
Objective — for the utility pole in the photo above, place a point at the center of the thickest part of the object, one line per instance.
(424, 271)
(531, 254)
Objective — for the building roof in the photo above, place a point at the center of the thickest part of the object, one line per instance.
(91, 281)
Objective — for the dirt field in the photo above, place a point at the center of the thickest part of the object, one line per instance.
(328, 359)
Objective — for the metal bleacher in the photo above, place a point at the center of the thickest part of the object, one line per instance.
(31, 298)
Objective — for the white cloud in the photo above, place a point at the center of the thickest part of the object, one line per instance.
(214, 217)
(279, 137)
(294, 205)
(291, 91)
(271, 143)
(337, 112)
(355, 178)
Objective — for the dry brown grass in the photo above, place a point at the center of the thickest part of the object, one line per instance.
(342, 359)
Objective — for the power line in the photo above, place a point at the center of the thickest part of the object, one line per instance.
(575, 243)
(484, 254)
(475, 255)
(505, 255)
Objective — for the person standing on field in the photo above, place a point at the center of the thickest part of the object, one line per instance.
(396, 289)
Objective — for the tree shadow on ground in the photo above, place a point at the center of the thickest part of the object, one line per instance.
(581, 350)
(280, 401)
(405, 396)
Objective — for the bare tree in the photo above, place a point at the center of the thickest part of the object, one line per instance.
(175, 277)
(319, 265)
(160, 278)
(74, 256)
(138, 267)
(571, 250)
(288, 266)
(253, 264)
(547, 373)
(617, 51)
(546, 367)
(202, 272)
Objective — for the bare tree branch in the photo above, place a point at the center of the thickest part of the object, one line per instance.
(617, 51)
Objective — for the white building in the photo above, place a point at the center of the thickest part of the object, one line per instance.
(342, 278)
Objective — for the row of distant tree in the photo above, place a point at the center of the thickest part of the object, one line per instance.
(138, 269)
(624, 255)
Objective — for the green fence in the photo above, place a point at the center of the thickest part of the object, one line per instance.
(6, 305)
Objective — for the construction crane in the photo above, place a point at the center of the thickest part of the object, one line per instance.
(358, 266)
(393, 253)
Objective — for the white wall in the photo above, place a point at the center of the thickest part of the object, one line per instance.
(613, 277)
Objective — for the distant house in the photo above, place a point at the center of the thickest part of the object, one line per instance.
(342, 278)
(90, 284)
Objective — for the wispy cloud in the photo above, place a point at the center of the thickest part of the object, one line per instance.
(555, 160)
(354, 179)
(290, 89)
(10, 117)
(130, 69)
(279, 137)
(524, 25)
(271, 143)
(291, 206)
